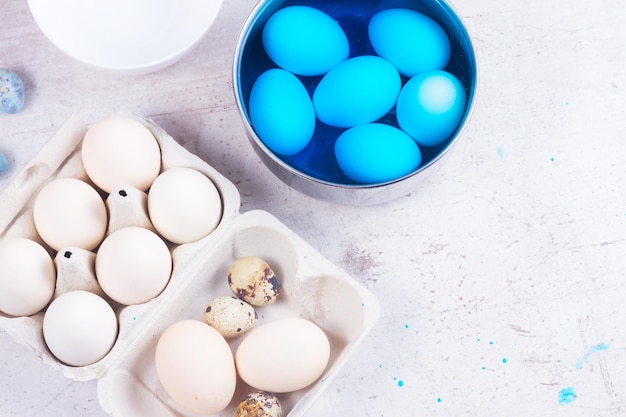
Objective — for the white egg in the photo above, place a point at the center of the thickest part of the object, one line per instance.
(284, 355)
(195, 366)
(133, 265)
(70, 212)
(118, 151)
(79, 328)
(27, 279)
(184, 205)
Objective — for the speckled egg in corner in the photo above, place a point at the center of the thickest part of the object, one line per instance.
(259, 404)
(230, 316)
(254, 281)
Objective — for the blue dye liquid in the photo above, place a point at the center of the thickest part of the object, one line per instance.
(317, 159)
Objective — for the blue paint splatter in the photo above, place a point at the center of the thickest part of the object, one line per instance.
(504, 360)
(406, 326)
(500, 152)
(552, 159)
(567, 395)
(439, 399)
(593, 349)
(401, 383)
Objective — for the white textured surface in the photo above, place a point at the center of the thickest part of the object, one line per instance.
(514, 250)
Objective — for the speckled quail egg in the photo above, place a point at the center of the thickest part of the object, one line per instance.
(259, 404)
(252, 280)
(230, 316)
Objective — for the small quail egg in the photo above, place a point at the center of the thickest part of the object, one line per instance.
(230, 316)
(259, 404)
(252, 280)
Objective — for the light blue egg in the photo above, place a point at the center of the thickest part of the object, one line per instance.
(4, 163)
(431, 106)
(357, 91)
(410, 40)
(11, 91)
(376, 153)
(281, 112)
(304, 40)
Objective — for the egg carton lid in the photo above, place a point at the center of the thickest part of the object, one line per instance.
(311, 286)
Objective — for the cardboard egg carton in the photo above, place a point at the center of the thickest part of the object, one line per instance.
(311, 286)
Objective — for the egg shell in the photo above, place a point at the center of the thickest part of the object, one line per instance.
(254, 281)
(281, 112)
(27, 277)
(133, 265)
(195, 366)
(118, 151)
(70, 212)
(184, 205)
(11, 91)
(375, 153)
(357, 91)
(431, 106)
(259, 404)
(80, 328)
(410, 40)
(230, 316)
(304, 40)
(283, 355)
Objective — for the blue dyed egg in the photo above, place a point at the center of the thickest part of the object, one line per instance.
(304, 40)
(281, 112)
(357, 91)
(11, 91)
(376, 153)
(4, 163)
(431, 106)
(410, 40)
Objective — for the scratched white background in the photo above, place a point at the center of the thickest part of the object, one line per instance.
(499, 279)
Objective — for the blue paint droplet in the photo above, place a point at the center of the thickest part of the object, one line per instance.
(484, 367)
(401, 383)
(134, 318)
(439, 399)
(504, 360)
(478, 340)
(567, 395)
(406, 326)
(552, 159)
(491, 343)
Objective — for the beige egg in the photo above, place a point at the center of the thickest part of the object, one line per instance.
(133, 265)
(70, 212)
(121, 151)
(28, 277)
(195, 366)
(252, 280)
(230, 316)
(259, 404)
(283, 355)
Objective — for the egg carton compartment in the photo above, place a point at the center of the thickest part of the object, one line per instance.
(311, 287)
(61, 158)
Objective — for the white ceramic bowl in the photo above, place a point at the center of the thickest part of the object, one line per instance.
(121, 36)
